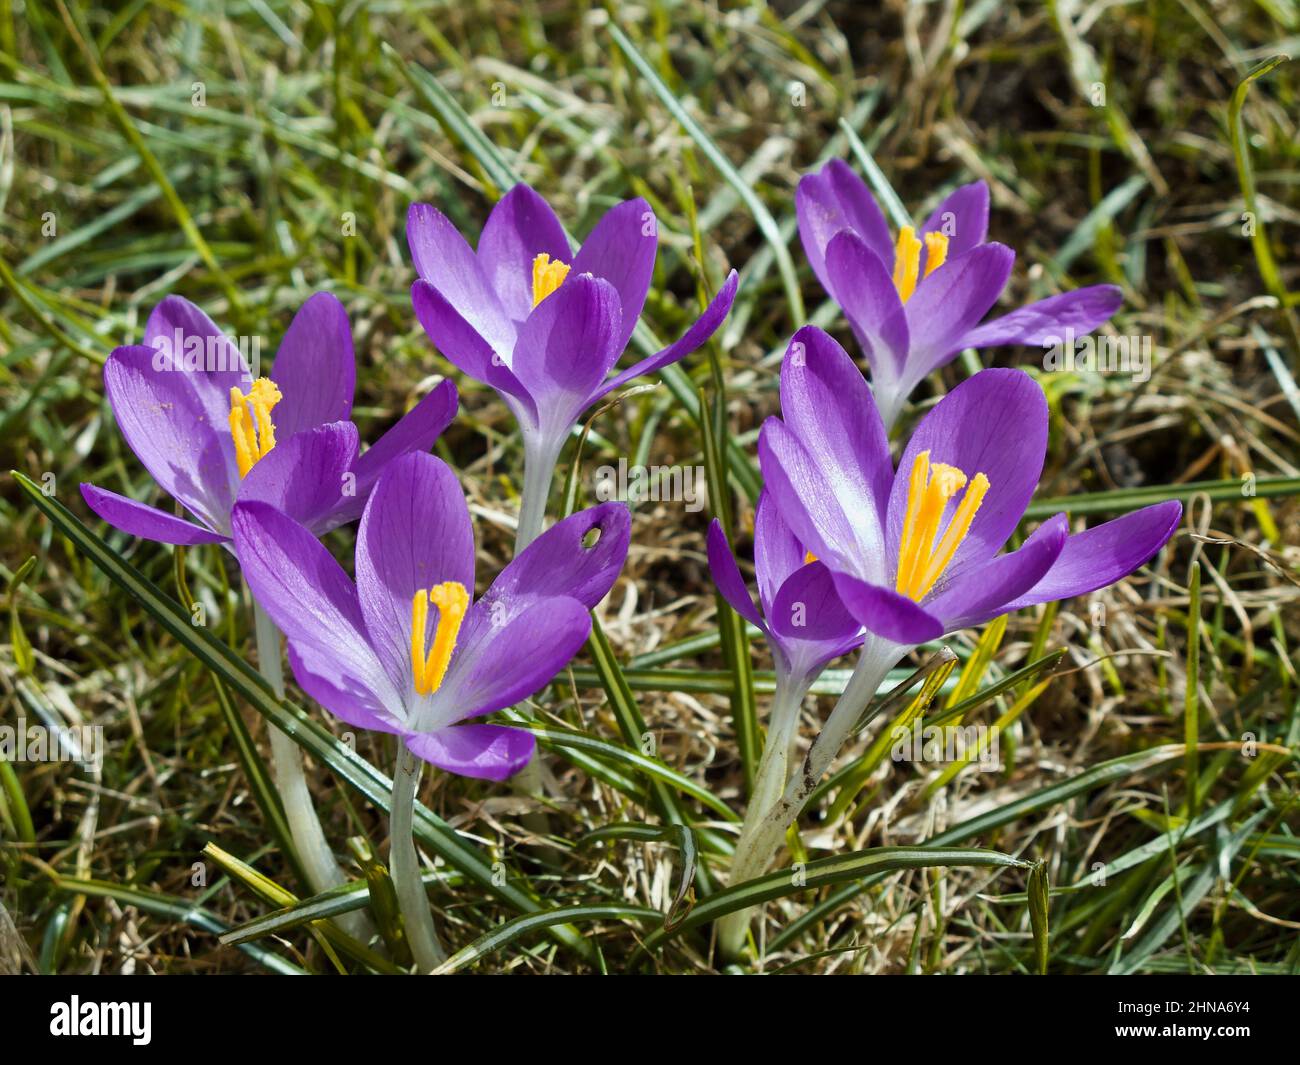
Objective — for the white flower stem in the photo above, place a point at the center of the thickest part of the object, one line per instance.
(404, 865)
(758, 844)
(313, 851)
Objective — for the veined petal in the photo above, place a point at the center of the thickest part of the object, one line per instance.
(993, 423)
(963, 217)
(446, 263)
(487, 752)
(705, 326)
(726, 575)
(831, 200)
(884, 612)
(1047, 321)
(1105, 554)
(144, 521)
(808, 607)
(777, 551)
(315, 367)
(621, 249)
(326, 679)
(415, 534)
(305, 477)
(862, 286)
(520, 227)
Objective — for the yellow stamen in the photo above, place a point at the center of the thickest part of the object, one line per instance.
(547, 276)
(921, 561)
(907, 261)
(452, 600)
(809, 557)
(936, 251)
(252, 443)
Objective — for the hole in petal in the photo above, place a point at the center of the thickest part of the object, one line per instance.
(591, 537)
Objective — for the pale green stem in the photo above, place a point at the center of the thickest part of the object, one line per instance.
(404, 865)
(874, 663)
(313, 851)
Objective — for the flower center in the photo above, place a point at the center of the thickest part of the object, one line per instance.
(452, 601)
(253, 435)
(907, 259)
(921, 561)
(547, 276)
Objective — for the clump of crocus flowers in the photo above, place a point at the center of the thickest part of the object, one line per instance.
(854, 551)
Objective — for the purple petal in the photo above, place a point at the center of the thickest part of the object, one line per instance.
(832, 200)
(809, 608)
(140, 519)
(705, 326)
(1103, 555)
(328, 680)
(202, 354)
(949, 304)
(417, 430)
(727, 577)
(1045, 322)
(415, 533)
(983, 592)
(993, 423)
(504, 656)
(886, 613)
(862, 286)
(446, 263)
(309, 597)
(487, 752)
(520, 227)
(621, 249)
(567, 346)
(826, 403)
(315, 368)
(172, 434)
(558, 564)
(460, 342)
(777, 551)
(307, 476)
(963, 217)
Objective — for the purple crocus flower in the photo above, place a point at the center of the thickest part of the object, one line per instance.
(802, 617)
(210, 435)
(404, 649)
(917, 300)
(541, 324)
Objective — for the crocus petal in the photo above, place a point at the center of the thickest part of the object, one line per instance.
(951, 302)
(809, 608)
(566, 348)
(886, 613)
(993, 423)
(309, 597)
(777, 551)
(144, 521)
(520, 227)
(166, 424)
(833, 199)
(963, 217)
(202, 354)
(415, 533)
(457, 340)
(1105, 554)
(560, 564)
(503, 657)
(306, 476)
(984, 591)
(826, 403)
(445, 261)
(726, 575)
(320, 673)
(487, 752)
(315, 367)
(864, 288)
(621, 249)
(1045, 322)
(416, 430)
(705, 326)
